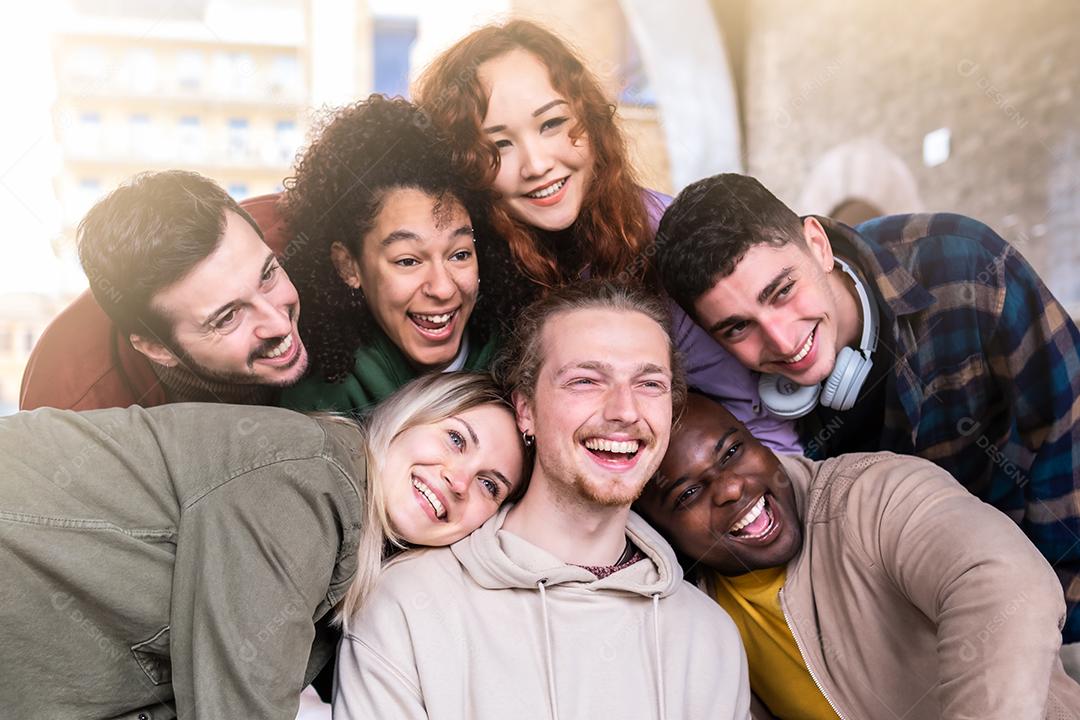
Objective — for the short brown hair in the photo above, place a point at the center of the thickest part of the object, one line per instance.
(518, 364)
(146, 235)
(710, 227)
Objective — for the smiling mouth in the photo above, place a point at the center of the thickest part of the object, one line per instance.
(758, 522)
(548, 190)
(429, 495)
(613, 451)
(283, 354)
(435, 325)
(803, 350)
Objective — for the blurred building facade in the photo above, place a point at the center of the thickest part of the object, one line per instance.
(189, 89)
(23, 317)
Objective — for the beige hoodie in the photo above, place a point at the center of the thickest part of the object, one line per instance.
(495, 627)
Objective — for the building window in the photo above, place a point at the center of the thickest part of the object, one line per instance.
(285, 78)
(234, 74)
(86, 135)
(237, 138)
(394, 38)
(87, 192)
(189, 139)
(140, 136)
(86, 66)
(286, 141)
(140, 68)
(189, 70)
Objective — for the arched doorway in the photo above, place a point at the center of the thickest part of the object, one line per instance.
(859, 178)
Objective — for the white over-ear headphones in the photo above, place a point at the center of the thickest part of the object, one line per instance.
(786, 399)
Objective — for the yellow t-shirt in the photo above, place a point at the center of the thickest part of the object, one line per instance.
(778, 674)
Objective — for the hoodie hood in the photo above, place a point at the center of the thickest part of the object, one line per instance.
(496, 627)
(497, 559)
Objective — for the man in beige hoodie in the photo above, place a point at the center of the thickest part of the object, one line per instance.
(566, 604)
(870, 585)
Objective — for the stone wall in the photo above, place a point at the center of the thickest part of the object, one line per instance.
(1004, 78)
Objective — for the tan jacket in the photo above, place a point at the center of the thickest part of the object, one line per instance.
(913, 599)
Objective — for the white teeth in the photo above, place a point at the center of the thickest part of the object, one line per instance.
(440, 511)
(435, 319)
(281, 349)
(805, 349)
(750, 516)
(548, 191)
(627, 447)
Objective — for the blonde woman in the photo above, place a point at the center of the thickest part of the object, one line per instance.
(187, 560)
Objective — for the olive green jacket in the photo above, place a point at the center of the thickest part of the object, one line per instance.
(177, 561)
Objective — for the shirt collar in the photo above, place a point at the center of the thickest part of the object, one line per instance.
(458, 363)
(900, 293)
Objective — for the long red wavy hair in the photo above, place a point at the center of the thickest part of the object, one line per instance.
(612, 232)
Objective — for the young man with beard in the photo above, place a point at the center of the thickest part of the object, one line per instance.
(186, 280)
(870, 585)
(566, 604)
(929, 335)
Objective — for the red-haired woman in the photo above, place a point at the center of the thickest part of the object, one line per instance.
(531, 123)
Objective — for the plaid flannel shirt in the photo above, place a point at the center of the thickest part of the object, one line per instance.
(985, 374)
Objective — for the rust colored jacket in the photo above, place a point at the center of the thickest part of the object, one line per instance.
(83, 362)
(911, 598)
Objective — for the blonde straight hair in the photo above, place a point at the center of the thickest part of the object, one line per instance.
(428, 399)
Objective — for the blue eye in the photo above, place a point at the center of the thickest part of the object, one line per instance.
(491, 486)
(457, 439)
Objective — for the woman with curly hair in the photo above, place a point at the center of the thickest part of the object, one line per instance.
(387, 253)
(530, 124)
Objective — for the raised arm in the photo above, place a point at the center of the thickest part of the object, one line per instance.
(255, 557)
(996, 602)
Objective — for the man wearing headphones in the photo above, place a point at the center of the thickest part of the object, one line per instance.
(921, 334)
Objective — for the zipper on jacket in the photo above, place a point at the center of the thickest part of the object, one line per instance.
(802, 651)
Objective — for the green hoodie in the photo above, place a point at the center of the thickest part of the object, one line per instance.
(177, 561)
(379, 369)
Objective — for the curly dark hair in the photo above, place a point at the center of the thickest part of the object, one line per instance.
(357, 154)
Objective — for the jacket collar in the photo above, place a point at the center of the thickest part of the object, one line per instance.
(896, 288)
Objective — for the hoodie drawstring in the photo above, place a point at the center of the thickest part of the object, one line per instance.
(547, 648)
(659, 655)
